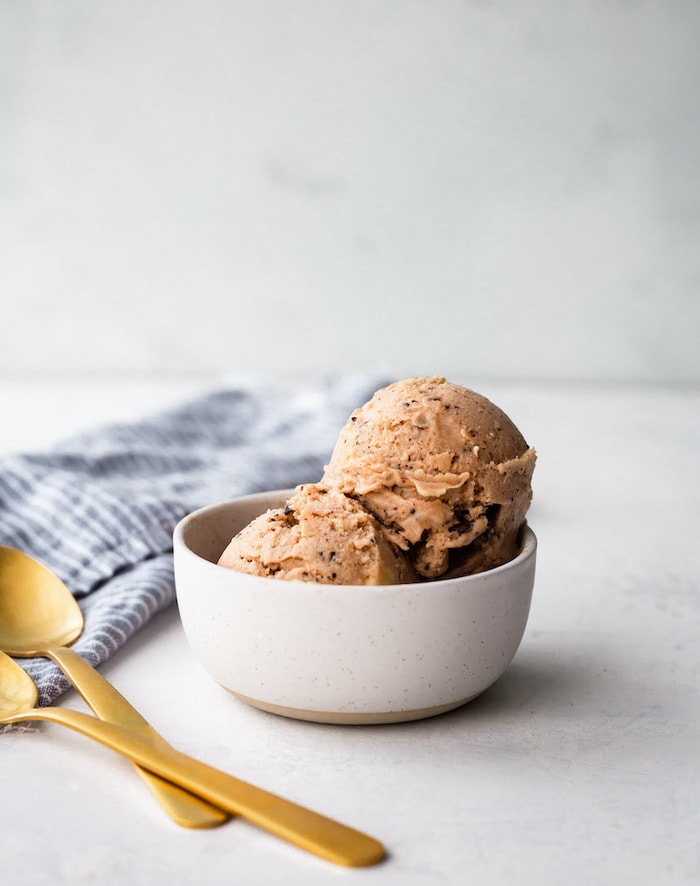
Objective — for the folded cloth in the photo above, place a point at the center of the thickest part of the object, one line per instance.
(99, 509)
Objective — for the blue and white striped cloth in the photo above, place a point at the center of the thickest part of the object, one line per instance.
(99, 509)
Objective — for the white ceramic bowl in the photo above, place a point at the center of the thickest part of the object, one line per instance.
(344, 654)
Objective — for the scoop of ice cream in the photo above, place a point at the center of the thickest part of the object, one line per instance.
(319, 536)
(444, 470)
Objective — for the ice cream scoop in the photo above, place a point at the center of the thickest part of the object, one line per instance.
(443, 470)
(320, 536)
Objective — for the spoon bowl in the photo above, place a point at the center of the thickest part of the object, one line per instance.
(18, 693)
(37, 611)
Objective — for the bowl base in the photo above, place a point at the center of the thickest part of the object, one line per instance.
(352, 718)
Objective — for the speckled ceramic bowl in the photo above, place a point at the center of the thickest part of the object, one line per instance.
(344, 654)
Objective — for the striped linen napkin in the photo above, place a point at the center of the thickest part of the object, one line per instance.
(99, 509)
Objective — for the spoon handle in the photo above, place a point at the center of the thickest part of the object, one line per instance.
(309, 830)
(183, 807)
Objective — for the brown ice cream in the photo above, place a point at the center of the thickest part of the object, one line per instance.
(444, 470)
(319, 536)
(427, 479)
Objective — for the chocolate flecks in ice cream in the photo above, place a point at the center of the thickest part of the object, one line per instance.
(444, 470)
(320, 535)
(427, 479)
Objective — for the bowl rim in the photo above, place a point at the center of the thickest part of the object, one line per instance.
(527, 550)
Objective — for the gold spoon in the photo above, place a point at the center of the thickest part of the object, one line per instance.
(309, 830)
(40, 617)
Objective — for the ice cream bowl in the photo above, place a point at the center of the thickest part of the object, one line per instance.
(341, 653)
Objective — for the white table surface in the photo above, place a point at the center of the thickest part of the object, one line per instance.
(580, 766)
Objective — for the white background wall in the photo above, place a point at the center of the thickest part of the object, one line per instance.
(509, 189)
